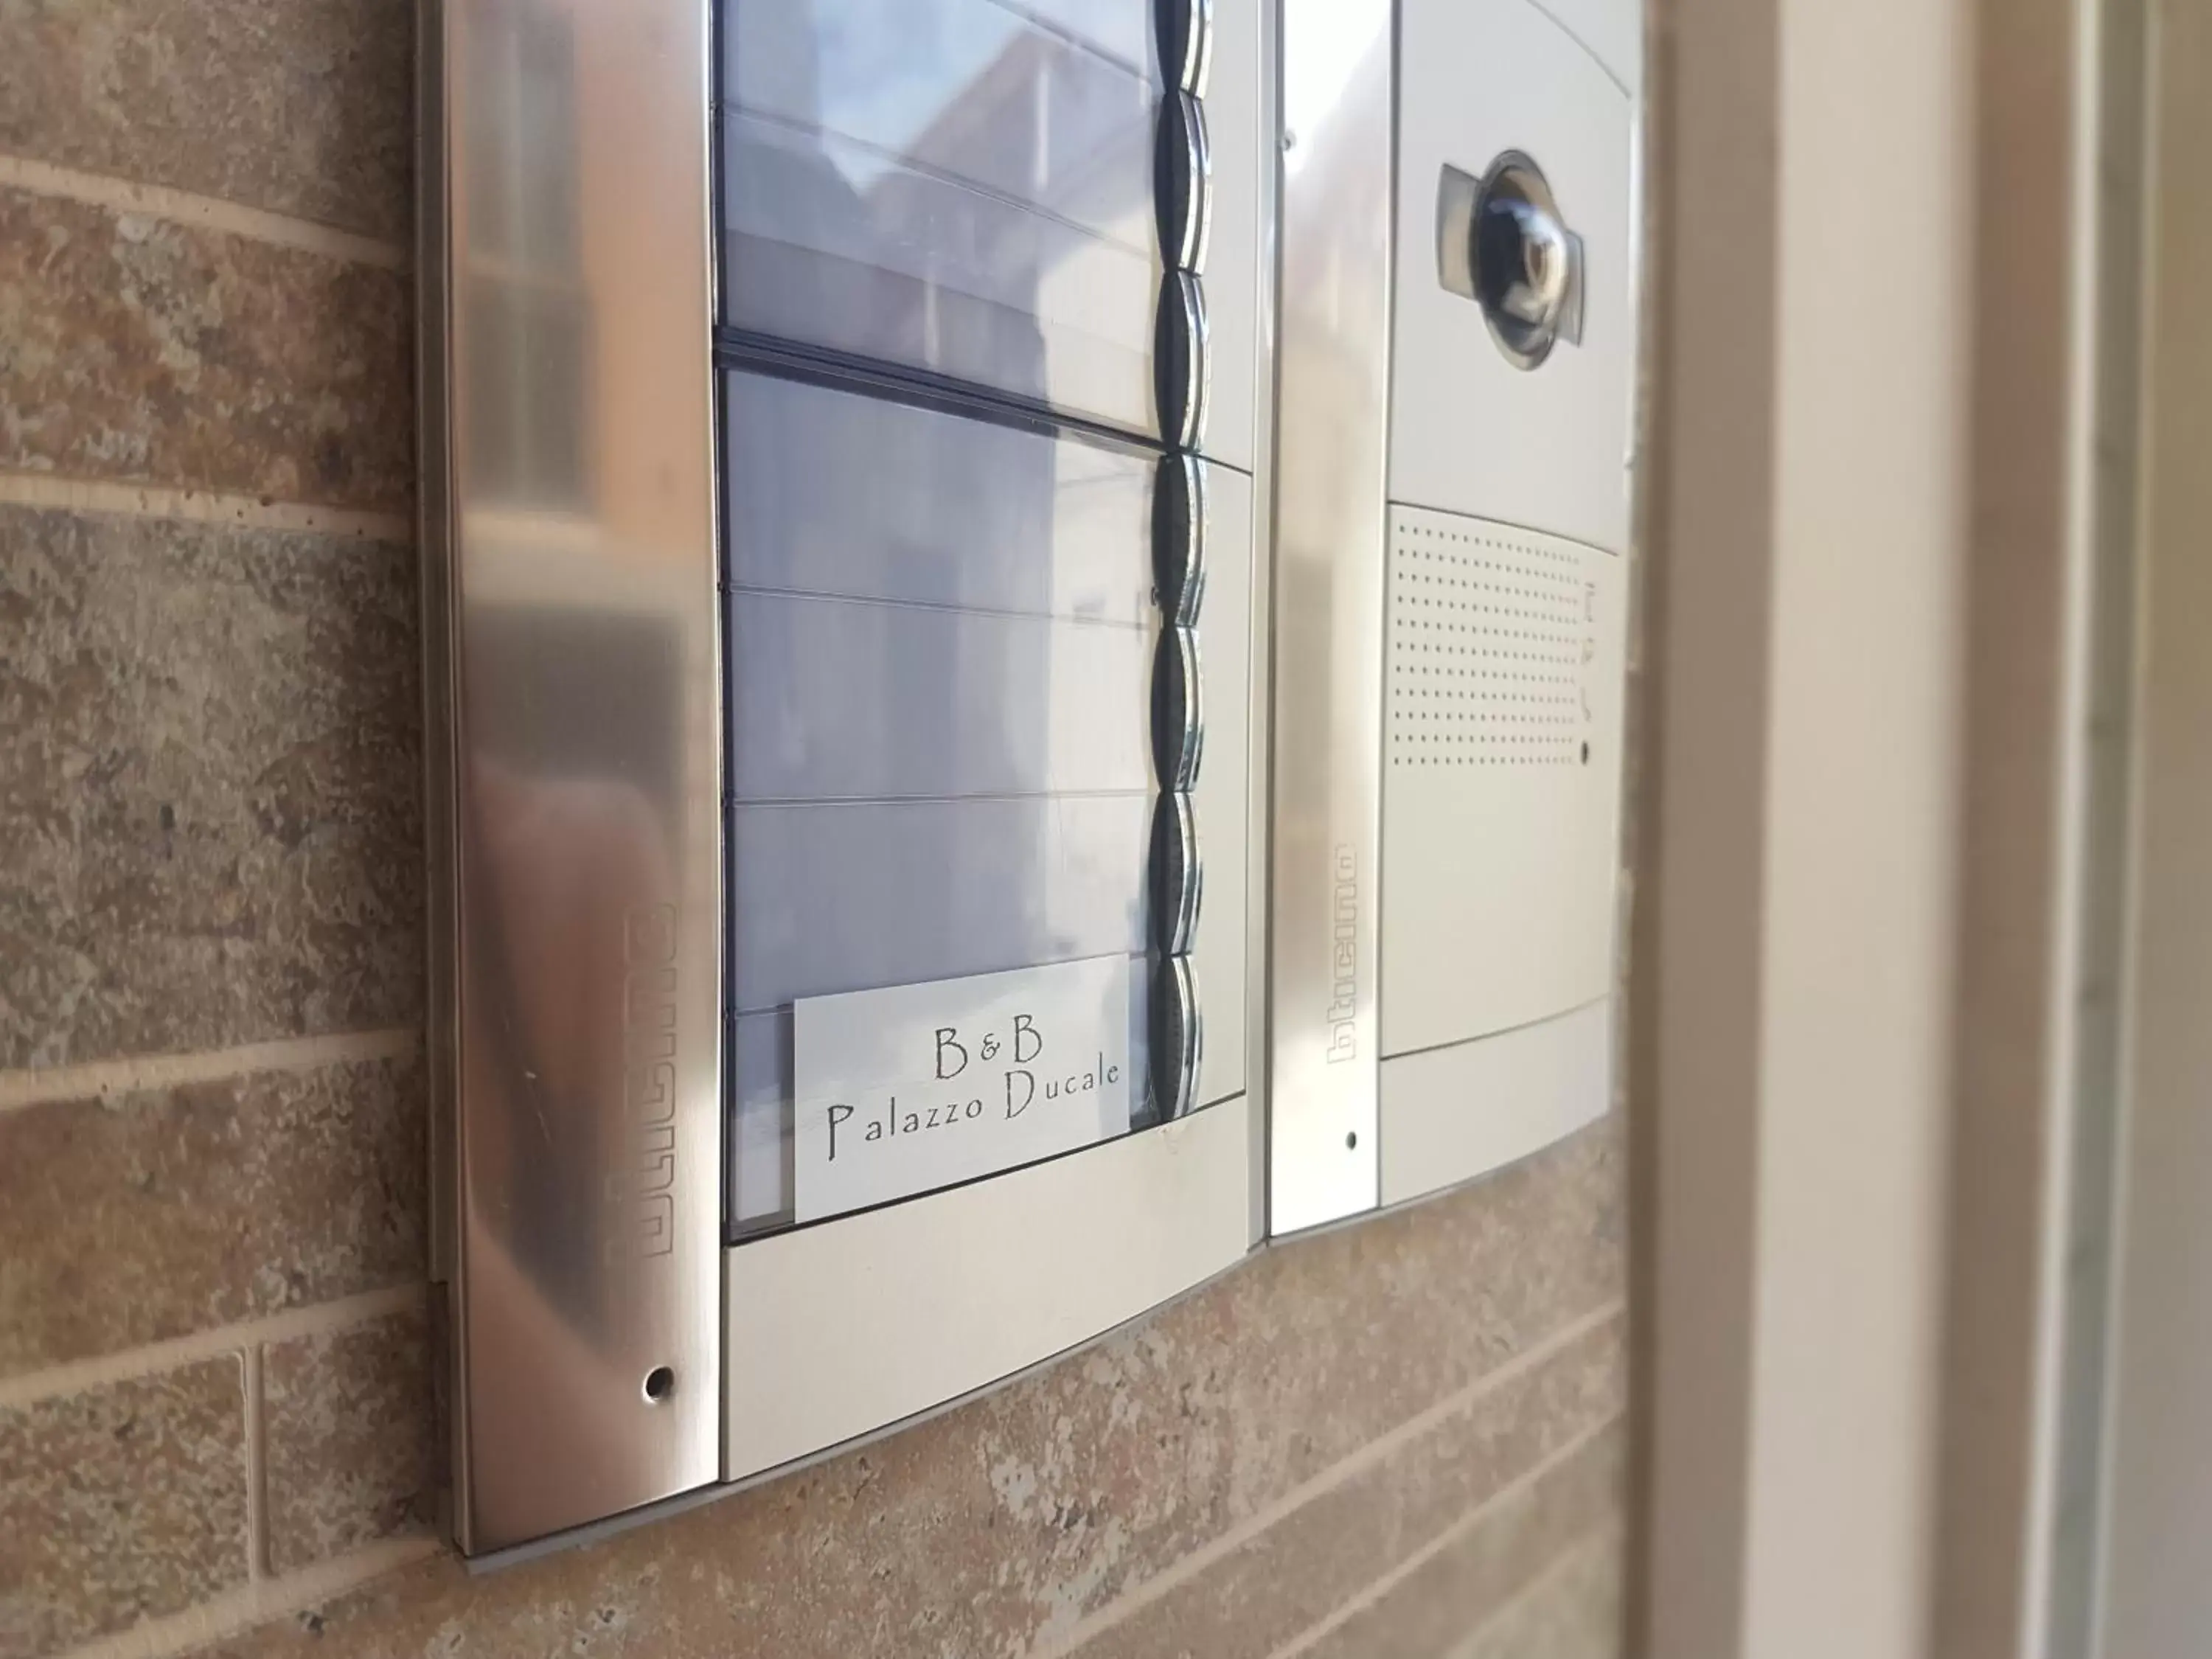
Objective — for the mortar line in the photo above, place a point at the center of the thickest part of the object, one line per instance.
(1375, 1451)
(76, 1375)
(199, 212)
(252, 1604)
(59, 492)
(42, 1086)
(1607, 1533)
(1518, 1486)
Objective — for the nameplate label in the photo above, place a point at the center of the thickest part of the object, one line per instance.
(914, 1087)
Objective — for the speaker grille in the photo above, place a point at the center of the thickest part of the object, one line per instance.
(1488, 639)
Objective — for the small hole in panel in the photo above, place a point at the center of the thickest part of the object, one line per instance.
(1351, 1141)
(660, 1383)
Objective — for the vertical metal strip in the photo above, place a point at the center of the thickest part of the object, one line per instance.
(434, 450)
(1260, 784)
(1332, 444)
(571, 555)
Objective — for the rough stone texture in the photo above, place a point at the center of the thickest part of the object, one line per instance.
(146, 1216)
(302, 108)
(992, 1530)
(120, 1504)
(1475, 1582)
(1573, 1611)
(1349, 1335)
(136, 348)
(1313, 1560)
(348, 1453)
(210, 793)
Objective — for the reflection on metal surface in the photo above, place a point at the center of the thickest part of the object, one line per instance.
(1187, 43)
(1176, 875)
(1179, 537)
(1167, 1201)
(940, 219)
(941, 634)
(1178, 716)
(1183, 181)
(961, 187)
(1178, 1038)
(1332, 413)
(569, 560)
(1179, 365)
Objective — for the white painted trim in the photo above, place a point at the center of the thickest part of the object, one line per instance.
(1795, 979)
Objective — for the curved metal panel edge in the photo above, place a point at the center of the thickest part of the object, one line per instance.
(572, 669)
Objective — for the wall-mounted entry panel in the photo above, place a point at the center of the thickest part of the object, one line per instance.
(1453, 603)
(848, 421)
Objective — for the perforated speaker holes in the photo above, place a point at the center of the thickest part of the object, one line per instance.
(1490, 641)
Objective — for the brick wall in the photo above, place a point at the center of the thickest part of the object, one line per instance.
(1401, 1438)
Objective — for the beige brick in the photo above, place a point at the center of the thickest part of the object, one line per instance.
(142, 350)
(348, 1452)
(1351, 1333)
(1478, 1582)
(209, 788)
(153, 1215)
(995, 1529)
(303, 108)
(121, 1504)
(1329, 1551)
(1571, 1611)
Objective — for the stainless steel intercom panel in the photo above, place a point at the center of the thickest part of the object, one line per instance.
(847, 435)
(1457, 374)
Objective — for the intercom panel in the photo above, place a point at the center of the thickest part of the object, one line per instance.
(1452, 596)
(847, 434)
